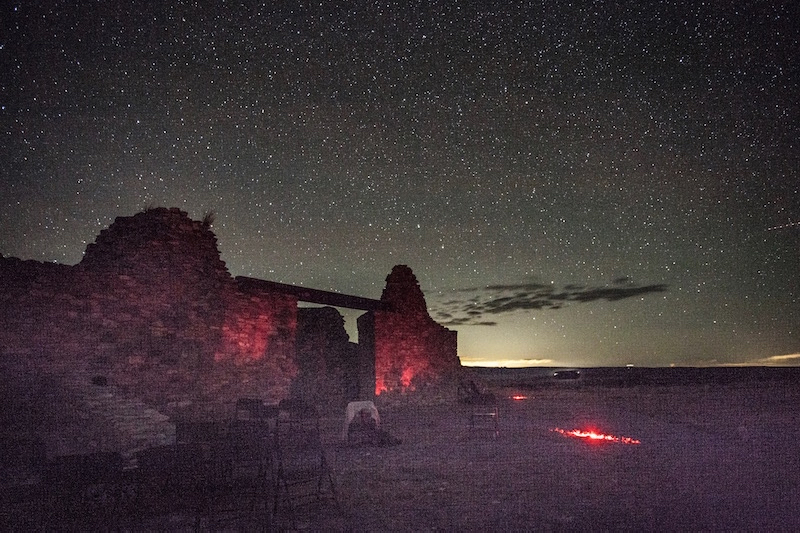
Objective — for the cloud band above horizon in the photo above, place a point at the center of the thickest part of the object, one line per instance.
(502, 299)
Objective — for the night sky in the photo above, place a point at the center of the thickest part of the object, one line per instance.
(573, 183)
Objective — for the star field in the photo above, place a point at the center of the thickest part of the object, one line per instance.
(528, 152)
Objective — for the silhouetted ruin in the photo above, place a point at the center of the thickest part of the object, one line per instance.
(150, 328)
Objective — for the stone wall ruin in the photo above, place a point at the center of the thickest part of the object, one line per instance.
(150, 328)
(410, 349)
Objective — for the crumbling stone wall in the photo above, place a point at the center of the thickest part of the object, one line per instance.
(411, 349)
(149, 328)
(158, 290)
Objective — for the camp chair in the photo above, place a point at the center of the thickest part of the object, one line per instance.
(469, 393)
(484, 419)
(239, 459)
(483, 411)
(240, 481)
(303, 475)
(251, 431)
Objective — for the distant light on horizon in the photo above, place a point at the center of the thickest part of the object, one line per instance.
(508, 363)
(786, 360)
(792, 359)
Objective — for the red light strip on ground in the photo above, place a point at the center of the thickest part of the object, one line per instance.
(594, 436)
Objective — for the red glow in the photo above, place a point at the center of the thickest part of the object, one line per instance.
(244, 342)
(379, 385)
(519, 397)
(406, 376)
(596, 437)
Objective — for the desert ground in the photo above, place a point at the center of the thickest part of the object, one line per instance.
(710, 458)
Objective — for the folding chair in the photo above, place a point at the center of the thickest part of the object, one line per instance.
(483, 419)
(239, 479)
(303, 475)
(251, 435)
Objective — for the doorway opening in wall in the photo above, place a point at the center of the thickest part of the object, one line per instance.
(350, 317)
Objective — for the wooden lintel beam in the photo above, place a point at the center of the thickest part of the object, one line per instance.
(304, 294)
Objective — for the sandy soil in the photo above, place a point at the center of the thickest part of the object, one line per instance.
(710, 458)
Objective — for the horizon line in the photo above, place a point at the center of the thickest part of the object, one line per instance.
(775, 361)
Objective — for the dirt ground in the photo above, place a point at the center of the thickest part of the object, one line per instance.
(709, 458)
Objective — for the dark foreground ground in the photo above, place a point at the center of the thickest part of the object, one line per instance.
(711, 457)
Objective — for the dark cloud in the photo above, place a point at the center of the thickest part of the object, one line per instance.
(466, 321)
(616, 293)
(502, 299)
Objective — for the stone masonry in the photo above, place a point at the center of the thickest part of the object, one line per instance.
(411, 349)
(151, 328)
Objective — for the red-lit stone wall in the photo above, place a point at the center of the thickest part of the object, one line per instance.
(149, 328)
(411, 349)
(259, 326)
